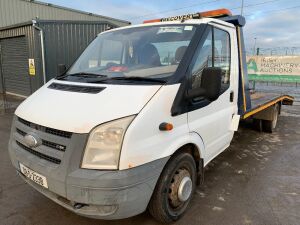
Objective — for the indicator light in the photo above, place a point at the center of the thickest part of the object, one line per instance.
(166, 126)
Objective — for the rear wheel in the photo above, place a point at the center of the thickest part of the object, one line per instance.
(174, 189)
(270, 125)
(257, 124)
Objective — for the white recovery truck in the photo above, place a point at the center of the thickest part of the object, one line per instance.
(134, 121)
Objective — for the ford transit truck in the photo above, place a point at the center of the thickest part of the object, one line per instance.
(133, 122)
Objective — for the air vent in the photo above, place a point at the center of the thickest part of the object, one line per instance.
(76, 88)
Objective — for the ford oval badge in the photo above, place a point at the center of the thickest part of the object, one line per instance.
(31, 141)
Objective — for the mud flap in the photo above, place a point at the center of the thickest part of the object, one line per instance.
(200, 173)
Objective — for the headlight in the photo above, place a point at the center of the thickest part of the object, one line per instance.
(104, 145)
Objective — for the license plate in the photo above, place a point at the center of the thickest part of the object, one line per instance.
(34, 176)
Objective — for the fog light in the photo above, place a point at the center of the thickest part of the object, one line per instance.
(105, 210)
(101, 210)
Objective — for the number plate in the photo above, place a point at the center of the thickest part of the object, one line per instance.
(34, 176)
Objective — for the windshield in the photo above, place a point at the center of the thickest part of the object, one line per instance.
(140, 52)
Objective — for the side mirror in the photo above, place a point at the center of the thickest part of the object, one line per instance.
(61, 69)
(210, 84)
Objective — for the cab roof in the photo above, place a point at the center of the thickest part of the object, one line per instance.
(219, 16)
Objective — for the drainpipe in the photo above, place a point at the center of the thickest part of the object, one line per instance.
(43, 48)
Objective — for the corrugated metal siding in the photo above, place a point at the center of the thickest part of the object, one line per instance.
(14, 62)
(65, 41)
(33, 51)
(19, 11)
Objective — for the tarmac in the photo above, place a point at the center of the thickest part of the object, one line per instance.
(255, 181)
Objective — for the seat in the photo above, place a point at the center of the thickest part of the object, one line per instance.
(179, 54)
(148, 55)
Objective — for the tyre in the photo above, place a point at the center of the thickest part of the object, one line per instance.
(174, 189)
(270, 125)
(257, 124)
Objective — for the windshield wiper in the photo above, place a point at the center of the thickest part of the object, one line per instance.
(133, 79)
(82, 74)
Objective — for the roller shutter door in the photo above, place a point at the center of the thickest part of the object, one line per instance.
(14, 61)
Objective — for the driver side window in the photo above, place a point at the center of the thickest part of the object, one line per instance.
(203, 60)
(215, 52)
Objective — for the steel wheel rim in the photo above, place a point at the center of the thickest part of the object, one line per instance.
(180, 189)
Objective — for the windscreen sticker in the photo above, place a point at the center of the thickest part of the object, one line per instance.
(170, 30)
(188, 28)
(93, 63)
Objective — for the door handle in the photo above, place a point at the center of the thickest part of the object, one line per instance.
(231, 96)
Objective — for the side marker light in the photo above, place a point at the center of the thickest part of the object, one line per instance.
(166, 126)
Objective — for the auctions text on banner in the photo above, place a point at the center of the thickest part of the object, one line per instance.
(274, 65)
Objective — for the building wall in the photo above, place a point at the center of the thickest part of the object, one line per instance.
(65, 41)
(19, 11)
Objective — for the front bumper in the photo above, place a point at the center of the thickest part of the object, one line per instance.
(107, 195)
(91, 193)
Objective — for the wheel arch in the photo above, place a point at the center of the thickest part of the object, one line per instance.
(195, 147)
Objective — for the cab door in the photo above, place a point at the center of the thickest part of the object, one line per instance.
(213, 120)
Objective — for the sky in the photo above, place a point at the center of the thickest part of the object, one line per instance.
(272, 23)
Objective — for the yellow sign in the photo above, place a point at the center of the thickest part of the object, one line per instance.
(31, 67)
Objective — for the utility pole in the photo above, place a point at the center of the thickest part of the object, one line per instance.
(242, 8)
(254, 46)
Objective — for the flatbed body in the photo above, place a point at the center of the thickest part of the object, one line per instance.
(261, 101)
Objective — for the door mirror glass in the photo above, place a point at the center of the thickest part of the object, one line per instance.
(210, 88)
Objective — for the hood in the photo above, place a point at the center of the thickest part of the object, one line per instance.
(77, 112)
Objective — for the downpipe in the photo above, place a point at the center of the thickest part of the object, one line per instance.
(43, 49)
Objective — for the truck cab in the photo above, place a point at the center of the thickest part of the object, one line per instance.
(134, 121)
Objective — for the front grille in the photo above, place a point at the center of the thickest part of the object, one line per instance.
(25, 122)
(48, 130)
(38, 154)
(58, 132)
(21, 132)
(46, 143)
(54, 145)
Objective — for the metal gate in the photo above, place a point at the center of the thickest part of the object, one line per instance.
(14, 62)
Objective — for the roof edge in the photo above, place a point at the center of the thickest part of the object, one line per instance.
(31, 22)
(28, 23)
(74, 10)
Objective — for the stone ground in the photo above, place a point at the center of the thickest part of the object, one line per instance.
(255, 181)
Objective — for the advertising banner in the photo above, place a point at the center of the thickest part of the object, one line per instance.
(274, 68)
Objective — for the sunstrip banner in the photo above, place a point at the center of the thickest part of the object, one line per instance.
(274, 68)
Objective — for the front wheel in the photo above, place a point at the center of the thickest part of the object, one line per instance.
(174, 189)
